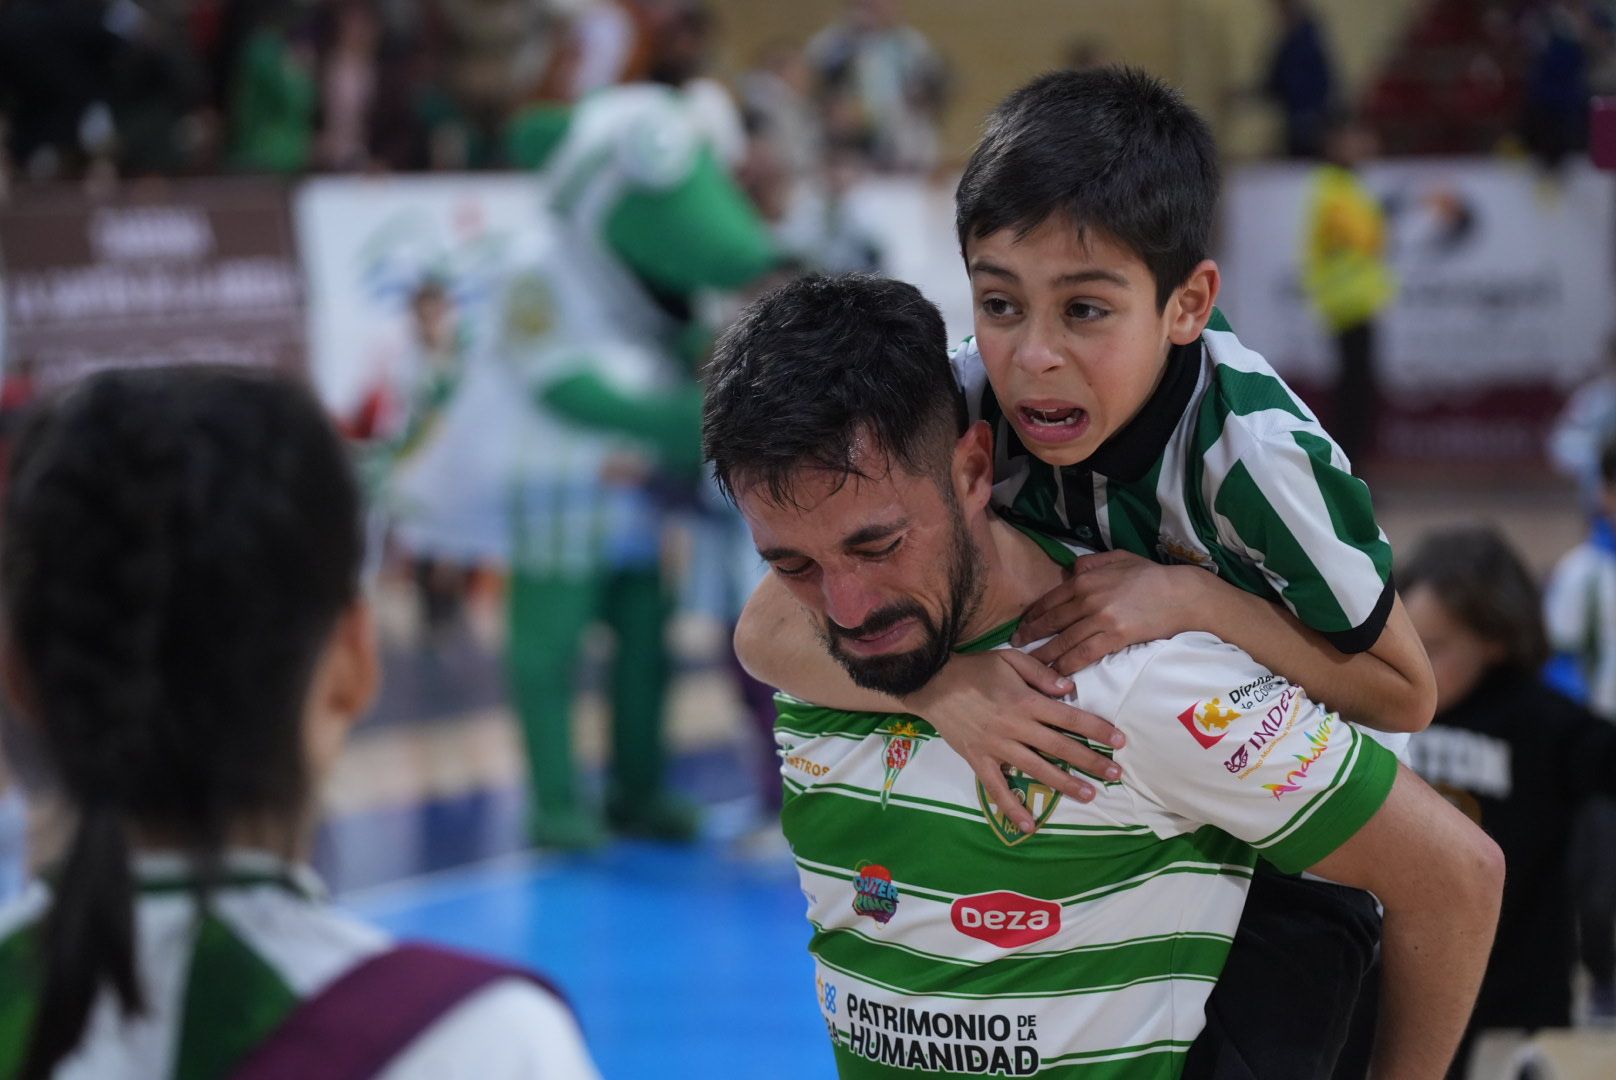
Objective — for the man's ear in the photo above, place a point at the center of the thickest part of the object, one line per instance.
(1191, 304)
(973, 467)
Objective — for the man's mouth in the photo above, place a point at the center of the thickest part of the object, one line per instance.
(879, 641)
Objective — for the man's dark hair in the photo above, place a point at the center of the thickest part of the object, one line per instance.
(1483, 583)
(812, 368)
(1111, 149)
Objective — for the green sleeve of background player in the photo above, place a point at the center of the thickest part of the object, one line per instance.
(669, 421)
(701, 234)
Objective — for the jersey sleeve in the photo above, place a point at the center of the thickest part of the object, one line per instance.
(972, 377)
(1309, 526)
(1215, 738)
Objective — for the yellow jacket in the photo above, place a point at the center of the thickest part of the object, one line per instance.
(1343, 264)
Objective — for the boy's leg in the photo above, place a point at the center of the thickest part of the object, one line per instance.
(549, 615)
(1298, 940)
(638, 800)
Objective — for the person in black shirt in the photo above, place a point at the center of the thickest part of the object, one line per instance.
(1517, 757)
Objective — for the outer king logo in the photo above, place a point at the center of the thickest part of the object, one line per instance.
(874, 894)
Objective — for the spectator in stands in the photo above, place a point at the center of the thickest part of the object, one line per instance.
(1520, 759)
(1348, 279)
(348, 86)
(275, 98)
(777, 99)
(55, 56)
(1301, 79)
(188, 647)
(882, 83)
(1559, 37)
(1580, 612)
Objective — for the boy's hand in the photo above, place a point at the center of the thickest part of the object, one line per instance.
(998, 708)
(1111, 600)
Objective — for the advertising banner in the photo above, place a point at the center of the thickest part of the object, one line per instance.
(1507, 297)
(199, 272)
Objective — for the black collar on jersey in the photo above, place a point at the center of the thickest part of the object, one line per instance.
(1128, 454)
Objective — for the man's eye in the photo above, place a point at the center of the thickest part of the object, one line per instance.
(793, 569)
(881, 553)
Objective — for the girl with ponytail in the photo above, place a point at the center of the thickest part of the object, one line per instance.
(186, 647)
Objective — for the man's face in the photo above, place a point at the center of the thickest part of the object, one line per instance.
(1070, 334)
(886, 564)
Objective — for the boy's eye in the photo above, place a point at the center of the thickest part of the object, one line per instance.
(998, 306)
(1084, 312)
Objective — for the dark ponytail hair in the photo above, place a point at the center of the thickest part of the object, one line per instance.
(177, 546)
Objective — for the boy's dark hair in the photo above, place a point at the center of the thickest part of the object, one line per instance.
(809, 369)
(1112, 150)
(1482, 582)
(177, 546)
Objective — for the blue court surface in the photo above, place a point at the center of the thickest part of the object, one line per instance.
(681, 962)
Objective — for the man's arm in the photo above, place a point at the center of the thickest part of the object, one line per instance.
(992, 707)
(1440, 879)
(1116, 599)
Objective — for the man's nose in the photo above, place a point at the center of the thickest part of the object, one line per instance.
(849, 600)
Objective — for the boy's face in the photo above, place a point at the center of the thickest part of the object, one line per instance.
(1070, 332)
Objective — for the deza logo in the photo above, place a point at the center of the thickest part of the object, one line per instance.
(1006, 919)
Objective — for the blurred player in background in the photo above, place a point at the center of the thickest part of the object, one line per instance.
(1579, 612)
(604, 334)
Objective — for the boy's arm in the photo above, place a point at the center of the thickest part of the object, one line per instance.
(992, 708)
(1116, 599)
(1440, 879)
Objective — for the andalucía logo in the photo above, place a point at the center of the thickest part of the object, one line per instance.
(874, 894)
(903, 741)
(1208, 722)
(1318, 741)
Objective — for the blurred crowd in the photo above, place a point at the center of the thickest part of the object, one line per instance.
(175, 87)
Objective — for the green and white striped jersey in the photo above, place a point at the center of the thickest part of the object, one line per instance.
(1224, 467)
(219, 982)
(947, 942)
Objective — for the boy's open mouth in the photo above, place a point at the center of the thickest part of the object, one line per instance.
(1053, 417)
(1052, 421)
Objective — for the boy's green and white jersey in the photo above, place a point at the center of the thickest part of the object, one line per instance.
(1224, 467)
(945, 941)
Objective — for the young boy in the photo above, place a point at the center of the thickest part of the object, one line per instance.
(1124, 423)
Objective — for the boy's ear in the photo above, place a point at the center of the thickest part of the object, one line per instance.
(1191, 304)
(973, 466)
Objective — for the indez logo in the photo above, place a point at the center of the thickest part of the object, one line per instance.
(1006, 919)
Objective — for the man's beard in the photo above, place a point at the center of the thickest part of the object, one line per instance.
(901, 674)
